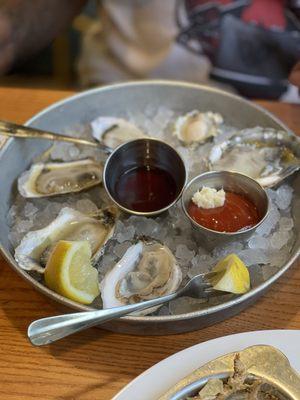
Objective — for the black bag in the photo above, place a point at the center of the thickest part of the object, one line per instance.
(253, 59)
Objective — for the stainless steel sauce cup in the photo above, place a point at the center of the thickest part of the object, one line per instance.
(140, 153)
(232, 182)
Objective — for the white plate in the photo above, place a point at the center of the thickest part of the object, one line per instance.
(156, 380)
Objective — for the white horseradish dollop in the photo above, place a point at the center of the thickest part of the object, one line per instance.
(209, 197)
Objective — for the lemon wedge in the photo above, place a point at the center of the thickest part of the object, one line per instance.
(69, 271)
(231, 275)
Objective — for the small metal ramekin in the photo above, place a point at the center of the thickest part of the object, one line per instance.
(143, 152)
(232, 182)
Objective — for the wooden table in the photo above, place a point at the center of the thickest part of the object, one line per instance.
(96, 364)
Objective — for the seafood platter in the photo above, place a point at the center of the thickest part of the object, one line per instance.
(224, 204)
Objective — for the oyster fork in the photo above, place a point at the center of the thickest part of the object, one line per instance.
(21, 131)
(48, 330)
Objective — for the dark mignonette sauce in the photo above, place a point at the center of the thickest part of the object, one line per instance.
(237, 213)
(145, 189)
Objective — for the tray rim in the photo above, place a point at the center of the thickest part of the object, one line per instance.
(150, 319)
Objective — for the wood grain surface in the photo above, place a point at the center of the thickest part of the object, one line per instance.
(96, 364)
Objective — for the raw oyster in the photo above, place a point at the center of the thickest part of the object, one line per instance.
(34, 249)
(114, 131)
(267, 155)
(196, 126)
(144, 272)
(51, 179)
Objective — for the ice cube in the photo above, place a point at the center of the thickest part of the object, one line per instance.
(160, 234)
(270, 222)
(272, 194)
(202, 263)
(30, 210)
(12, 214)
(15, 238)
(197, 269)
(183, 253)
(175, 213)
(284, 196)
(185, 154)
(222, 251)
(157, 124)
(120, 249)
(278, 258)
(258, 242)
(60, 151)
(106, 262)
(127, 233)
(73, 152)
(253, 256)
(286, 224)
(279, 239)
(144, 226)
(51, 211)
(86, 206)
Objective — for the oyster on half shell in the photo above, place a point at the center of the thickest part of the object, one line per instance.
(51, 179)
(267, 155)
(34, 249)
(144, 272)
(114, 131)
(196, 126)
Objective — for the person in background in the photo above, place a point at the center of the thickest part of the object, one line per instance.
(295, 75)
(251, 45)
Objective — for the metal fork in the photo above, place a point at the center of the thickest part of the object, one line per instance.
(21, 131)
(48, 330)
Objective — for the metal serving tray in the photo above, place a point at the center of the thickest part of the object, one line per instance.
(17, 155)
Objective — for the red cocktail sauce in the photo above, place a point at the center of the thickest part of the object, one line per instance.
(237, 213)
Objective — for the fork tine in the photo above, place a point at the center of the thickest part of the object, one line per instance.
(205, 285)
(211, 292)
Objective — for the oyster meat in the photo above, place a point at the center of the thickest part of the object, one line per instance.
(267, 155)
(34, 249)
(114, 131)
(144, 272)
(51, 179)
(196, 126)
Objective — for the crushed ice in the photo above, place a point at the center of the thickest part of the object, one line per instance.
(264, 253)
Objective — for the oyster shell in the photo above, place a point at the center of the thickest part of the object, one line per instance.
(267, 155)
(51, 179)
(114, 131)
(34, 249)
(144, 272)
(196, 126)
